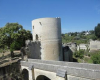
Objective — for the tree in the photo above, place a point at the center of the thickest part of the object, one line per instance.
(91, 31)
(3, 39)
(13, 35)
(83, 32)
(97, 31)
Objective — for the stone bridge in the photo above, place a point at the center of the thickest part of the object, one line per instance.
(35, 69)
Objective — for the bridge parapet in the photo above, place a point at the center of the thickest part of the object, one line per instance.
(70, 64)
(70, 68)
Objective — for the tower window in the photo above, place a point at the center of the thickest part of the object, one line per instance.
(40, 23)
(36, 37)
(33, 27)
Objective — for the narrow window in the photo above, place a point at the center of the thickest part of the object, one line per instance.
(40, 23)
(36, 37)
(33, 27)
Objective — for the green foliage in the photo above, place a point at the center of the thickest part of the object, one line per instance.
(91, 31)
(79, 54)
(97, 30)
(96, 58)
(15, 46)
(67, 38)
(91, 36)
(13, 35)
(81, 37)
(88, 60)
(78, 37)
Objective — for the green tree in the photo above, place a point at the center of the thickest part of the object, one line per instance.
(13, 35)
(91, 31)
(97, 30)
(3, 39)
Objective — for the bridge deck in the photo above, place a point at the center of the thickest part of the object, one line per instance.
(90, 71)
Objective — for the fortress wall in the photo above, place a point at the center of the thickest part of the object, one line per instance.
(94, 45)
(34, 51)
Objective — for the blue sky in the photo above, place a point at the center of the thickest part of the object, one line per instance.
(76, 15)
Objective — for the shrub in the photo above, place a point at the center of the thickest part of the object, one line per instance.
(96, 58)
(79, 54)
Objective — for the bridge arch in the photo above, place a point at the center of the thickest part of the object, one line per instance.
(25, 74)
(42, 77)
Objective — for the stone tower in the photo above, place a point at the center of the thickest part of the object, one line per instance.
(47, 31)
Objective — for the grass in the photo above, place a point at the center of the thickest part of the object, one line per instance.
(88, 60)
(79, 60)
(84, 60)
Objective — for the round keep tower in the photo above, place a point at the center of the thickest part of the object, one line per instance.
(48, 32)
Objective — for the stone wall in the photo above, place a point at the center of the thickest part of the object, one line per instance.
(72, 71)
(11, 71)
(82, 46)
(72, 46)
(94, 45)
(67, 54)
(34, 50)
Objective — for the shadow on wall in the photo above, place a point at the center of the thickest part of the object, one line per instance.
(67, 54)
(42, 77)
(75, 60)
(25, 74)
(34, 50)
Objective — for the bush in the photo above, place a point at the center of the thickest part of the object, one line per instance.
(79, 54)
(96, 58)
